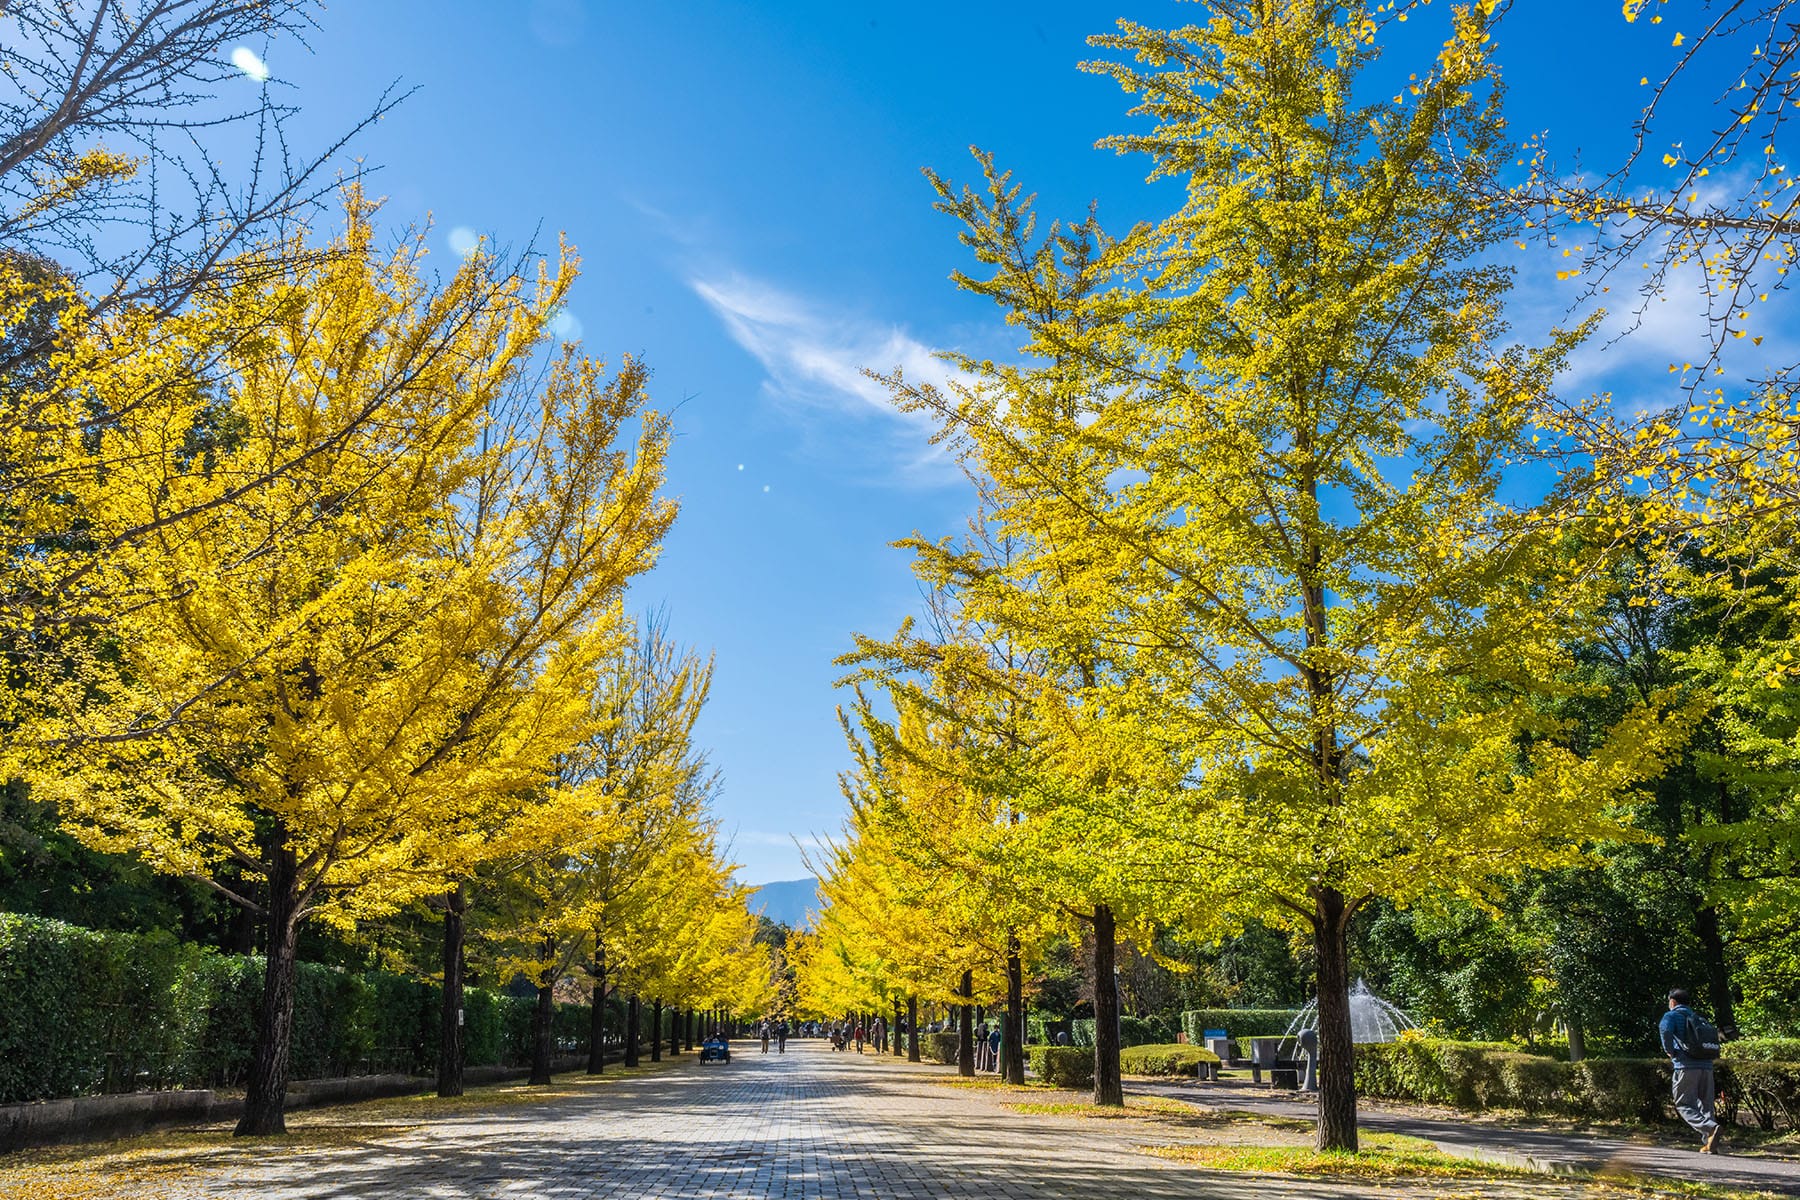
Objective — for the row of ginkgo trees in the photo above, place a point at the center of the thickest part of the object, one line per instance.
(1281, 552)
(314, 593)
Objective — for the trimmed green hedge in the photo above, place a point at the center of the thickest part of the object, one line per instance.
(1237, 1022)
(1770, 1090)
(1763, 1049)
(938, 1047)
(1133, 1031)
(1062, 1066)
(1478, 1075)
(85, 1012)
(1167, 1059)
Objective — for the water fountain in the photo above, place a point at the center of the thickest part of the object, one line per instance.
(1372, 1019)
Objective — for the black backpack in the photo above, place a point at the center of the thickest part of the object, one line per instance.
(1703, 1037)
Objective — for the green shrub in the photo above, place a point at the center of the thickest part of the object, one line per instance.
(1406, 1070)
(1471, 1075)
(1164, 1059)
(482, 1042)
(403, 1024)
(1532, 1082)
(83, 1012)
(1238, 1022)
(1133, 1031)
(1062, 1066)
(51, 1043)
(1477, 1075)
(1761, 1049)
(573, 1023)
(229, 988)
(515, 1029)
(1624, 1089)
(938, 1047)
(1770, 1090)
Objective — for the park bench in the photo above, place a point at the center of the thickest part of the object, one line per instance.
(1267, 1054)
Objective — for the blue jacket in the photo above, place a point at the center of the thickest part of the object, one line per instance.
(1675, 1030)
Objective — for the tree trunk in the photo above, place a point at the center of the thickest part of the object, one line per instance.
(656, 1030)
(265, 1092)
(1012, 1030)
(687, 1031)
(1718, 971)
(894, 1030)
(965, 1033)
(912, 1029)
(543, 1029)
(1109, 1090)
(597, 1014)
(634, 1015)
(1337, 1053)
(1577, 1041)
(451, 1049)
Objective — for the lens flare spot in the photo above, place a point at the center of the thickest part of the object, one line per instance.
(250, 63)
(464, 240)
(566, 325)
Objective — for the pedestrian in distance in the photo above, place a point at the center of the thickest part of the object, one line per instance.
(1692, 1044)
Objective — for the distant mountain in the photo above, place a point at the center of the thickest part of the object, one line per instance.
(790, 902)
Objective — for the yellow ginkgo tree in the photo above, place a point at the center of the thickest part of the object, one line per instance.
(1263, 449)
(314, 683)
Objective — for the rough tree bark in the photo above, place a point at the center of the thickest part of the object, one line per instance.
(1718, 970)
(1012, 1029)
(656, 1030)
(265, 1092)
(1337, 1053)
(894, 1030)
(597, 1014)
(912, 1029)
(965, 1033)
(543, 1025)
(634, 1015)
(1108, 1088)
(450, 1016)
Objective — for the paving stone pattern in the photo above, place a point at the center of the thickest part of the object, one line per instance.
(812, 1124)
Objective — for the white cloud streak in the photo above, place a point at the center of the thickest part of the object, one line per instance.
(815, 366)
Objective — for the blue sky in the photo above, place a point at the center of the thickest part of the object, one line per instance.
(742, 180)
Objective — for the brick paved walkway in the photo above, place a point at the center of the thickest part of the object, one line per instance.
(811, 1123)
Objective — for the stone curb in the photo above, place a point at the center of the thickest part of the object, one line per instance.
(99, 1118)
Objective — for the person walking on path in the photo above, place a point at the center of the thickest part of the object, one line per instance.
(1692, 1044)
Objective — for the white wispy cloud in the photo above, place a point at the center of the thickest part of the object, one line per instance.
(816, 366)
(756, 837)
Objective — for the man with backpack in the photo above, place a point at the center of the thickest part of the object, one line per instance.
(1692, 1044)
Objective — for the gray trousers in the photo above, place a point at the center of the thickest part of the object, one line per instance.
(1694, 1097)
